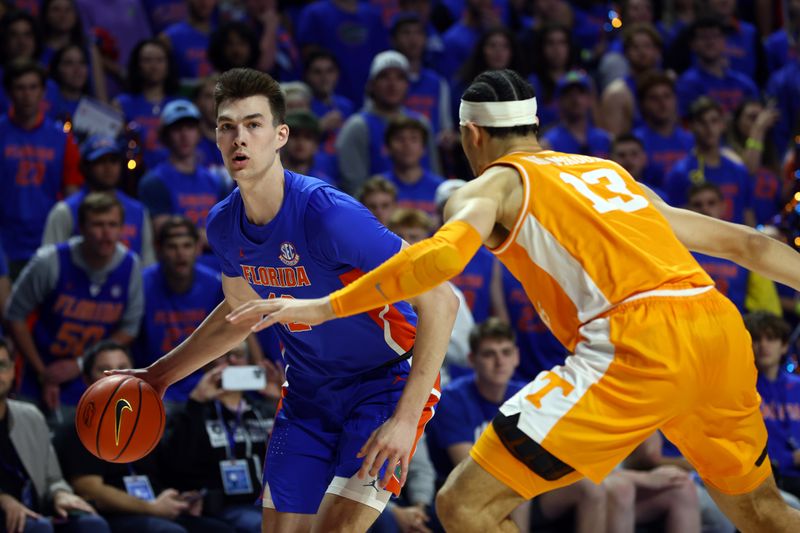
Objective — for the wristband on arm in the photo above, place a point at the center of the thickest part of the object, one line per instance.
(413, 271)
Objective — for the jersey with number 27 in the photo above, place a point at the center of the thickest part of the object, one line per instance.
(587, 239)
(320, 240)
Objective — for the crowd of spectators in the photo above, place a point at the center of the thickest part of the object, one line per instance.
(109, 165)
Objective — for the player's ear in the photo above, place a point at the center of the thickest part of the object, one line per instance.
(471, 135)
(283, 136)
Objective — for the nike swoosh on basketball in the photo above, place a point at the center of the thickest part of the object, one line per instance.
(120, 406)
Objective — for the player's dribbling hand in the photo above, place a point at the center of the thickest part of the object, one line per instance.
(145, 374)
(391, 442)
(282, 311)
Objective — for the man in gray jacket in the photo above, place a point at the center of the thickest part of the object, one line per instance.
(30, 477)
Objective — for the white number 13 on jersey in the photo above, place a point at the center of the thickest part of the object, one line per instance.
(611, 181)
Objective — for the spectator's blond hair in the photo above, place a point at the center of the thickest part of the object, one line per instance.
(377, 184)
(410, 218)
(97, 203)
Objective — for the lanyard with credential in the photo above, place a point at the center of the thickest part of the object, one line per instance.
(230, 433)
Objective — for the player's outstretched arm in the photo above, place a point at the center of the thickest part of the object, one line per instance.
(214, 337)
(741, 244)
(411, 272)
(393, 440)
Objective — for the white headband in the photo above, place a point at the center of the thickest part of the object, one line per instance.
(499, 114)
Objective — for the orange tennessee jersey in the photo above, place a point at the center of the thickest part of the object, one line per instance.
(587, 238)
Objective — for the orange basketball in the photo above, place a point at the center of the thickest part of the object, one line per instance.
(120, 419)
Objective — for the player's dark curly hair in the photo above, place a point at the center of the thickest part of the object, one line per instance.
(502, 86)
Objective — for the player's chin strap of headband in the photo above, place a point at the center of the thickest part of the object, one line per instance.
(499, 114)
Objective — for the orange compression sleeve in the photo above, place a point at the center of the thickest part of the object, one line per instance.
(412, 271)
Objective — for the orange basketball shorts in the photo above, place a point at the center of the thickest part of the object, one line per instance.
(683, 364)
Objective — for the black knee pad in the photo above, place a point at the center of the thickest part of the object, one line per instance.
(528, 451)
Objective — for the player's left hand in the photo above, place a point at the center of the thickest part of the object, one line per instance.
(389, 443)
(283, 311)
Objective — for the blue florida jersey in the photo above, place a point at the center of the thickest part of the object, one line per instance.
(309, 250)
(79, 313)
(31, 178)
(170, 318)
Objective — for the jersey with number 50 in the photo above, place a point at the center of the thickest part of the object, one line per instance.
(587, 239)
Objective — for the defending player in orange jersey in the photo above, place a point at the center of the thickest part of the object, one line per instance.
(605, 262)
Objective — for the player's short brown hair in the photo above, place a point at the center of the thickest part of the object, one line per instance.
(492, 329)
(764, 324)
(98, 203)
(377, 184)
(240, 83)
(410, 218)
(396, 125)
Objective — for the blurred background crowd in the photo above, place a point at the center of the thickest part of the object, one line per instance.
(109, 165)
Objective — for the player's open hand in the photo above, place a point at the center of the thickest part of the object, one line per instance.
(282, 311)
(391, 443)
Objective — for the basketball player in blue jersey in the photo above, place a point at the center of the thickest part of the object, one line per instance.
(351, 396)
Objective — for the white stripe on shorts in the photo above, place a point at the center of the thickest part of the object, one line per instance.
(593, 355)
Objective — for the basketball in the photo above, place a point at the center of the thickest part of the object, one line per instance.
(120, 419)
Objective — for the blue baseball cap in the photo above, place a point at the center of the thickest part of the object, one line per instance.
(97, 146)
(573, 78)
(178, 110)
